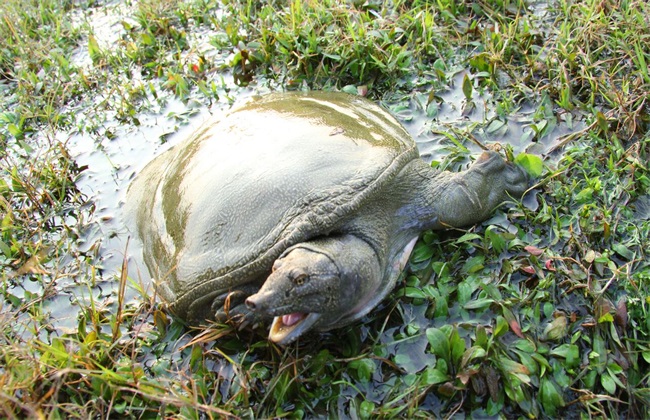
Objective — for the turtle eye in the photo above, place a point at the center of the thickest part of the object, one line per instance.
(300, 279)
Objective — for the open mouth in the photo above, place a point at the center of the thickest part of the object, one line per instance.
(287, 328)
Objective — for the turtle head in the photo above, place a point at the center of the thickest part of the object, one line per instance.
(303, 292)
(464, 198)
(498, 177)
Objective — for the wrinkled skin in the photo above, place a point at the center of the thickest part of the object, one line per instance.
(302, 207)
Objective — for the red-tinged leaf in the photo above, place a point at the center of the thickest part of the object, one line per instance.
(602, 307)
(493, 381)
(528, 269)
(512, 366)
(514, 326)
(533, 250)
(447, 389)
(465, 375)
(512, 321)
(549, 265)
(620, 317)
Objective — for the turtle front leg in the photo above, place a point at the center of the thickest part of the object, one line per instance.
(221, 305)
(230, 307)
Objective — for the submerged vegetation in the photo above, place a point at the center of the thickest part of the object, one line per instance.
(541, 311)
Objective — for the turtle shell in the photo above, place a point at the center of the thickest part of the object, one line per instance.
(215, 211)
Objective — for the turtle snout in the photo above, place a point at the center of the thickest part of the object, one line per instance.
(517, 180)
(251, 303)
(257, 302)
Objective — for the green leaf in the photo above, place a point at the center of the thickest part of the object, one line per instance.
(364, 367)
(468, 237)
(467, 87)
(493, 237)
(351, 89)
(422, 252)
(573, 356)
(497, 125)
(120, 407)
(532, 164)
(614, 370)
(602, 121)
(196, 356)
(15, 131)
(589, 380)
(404, 361)
(608, 383)
(607, 317)
(414, 292)
(551, 397)
(473, 264)
(584, 195)
(7, 117)
(646, 356)
(26, 147)
(570, 352)
(474, 352)
(502, 326)
(525, 345)
(478, 303)
(93, 49)
(6, 250)
(439, 343)
(623, 251)
(366, 409)
(147, 38)
(465, 290)
(457, 346)
(481, 337)
(432, 376)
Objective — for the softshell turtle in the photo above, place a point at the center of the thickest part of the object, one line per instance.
(299, 206)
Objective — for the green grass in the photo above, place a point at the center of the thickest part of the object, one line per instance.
(540, 311)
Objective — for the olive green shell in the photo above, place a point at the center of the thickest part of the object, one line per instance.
(215, 211)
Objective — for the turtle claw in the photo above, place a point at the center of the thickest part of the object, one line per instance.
(229, 308)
